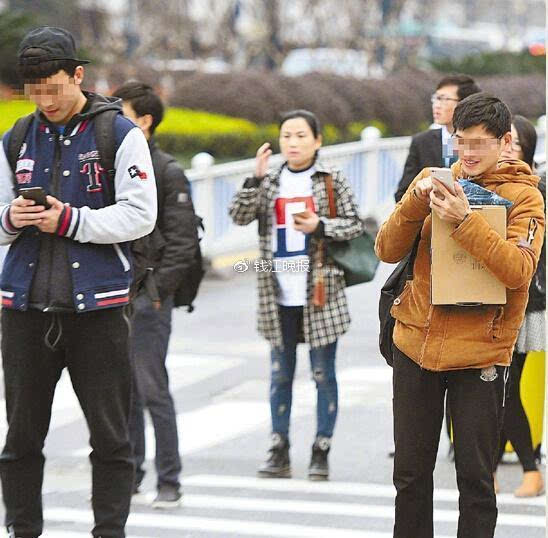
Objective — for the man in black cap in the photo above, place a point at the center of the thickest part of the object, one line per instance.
(66, 277)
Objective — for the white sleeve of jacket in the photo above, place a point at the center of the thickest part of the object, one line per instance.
(134, 213)
(8, 233)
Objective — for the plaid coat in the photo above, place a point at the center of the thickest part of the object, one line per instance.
(255, 200)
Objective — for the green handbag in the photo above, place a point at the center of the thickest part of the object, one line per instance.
(356, 257)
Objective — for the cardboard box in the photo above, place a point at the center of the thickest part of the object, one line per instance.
(457, 278)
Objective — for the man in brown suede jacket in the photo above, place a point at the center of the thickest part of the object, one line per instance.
(464, 350)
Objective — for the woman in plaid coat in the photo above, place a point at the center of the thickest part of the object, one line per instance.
(301, 290)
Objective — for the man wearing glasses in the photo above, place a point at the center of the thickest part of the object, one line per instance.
(431, 148)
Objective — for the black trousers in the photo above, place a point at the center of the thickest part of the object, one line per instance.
(476, 410)
(94, 348)
(516, 428)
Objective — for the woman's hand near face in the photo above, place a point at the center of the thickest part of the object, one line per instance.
(261, 160)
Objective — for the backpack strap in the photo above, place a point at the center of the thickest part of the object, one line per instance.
(412, 256)
(105, 140)
(17, 136)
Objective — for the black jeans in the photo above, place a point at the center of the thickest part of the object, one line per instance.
(151, 330)
(476, 411)
(94, 348)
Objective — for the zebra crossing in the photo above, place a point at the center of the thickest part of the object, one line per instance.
(238, 506)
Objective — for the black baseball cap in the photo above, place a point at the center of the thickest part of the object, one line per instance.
(51, 44)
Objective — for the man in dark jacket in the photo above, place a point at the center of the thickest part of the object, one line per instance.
(174, 242)
(430, 148)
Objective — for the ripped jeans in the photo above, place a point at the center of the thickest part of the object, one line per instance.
(283, 361)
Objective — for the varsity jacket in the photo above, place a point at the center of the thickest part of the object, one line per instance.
(86, 264)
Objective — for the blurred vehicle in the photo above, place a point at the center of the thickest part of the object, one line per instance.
(343, 62)
(212, 64)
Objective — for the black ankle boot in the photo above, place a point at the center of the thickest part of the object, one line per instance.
(319, 467)
(277, 465)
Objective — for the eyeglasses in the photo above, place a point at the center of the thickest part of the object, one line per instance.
(441, 98)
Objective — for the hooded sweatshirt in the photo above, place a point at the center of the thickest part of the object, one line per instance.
(442, 338)
(74, 269)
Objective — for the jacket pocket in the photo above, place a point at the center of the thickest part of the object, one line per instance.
(122, 257)
(400, 309)
(474, 323)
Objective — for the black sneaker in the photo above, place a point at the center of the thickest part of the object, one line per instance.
(168, 497)
(277, 465)
(319, 468)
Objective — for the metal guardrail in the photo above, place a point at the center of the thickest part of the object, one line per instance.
(373, 167)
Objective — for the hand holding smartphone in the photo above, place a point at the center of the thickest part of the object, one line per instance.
(298, 209)
(35, 193)
(445, 176)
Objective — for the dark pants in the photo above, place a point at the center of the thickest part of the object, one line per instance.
(151, 330)
(476, 411)
(516, 428)
(322, 364)
(94, 348)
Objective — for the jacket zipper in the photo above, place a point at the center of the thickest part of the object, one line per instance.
(54, 188)
(122, 257)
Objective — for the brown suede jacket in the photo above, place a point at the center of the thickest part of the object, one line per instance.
(442, 338)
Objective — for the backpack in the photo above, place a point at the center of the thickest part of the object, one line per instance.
(537, 288)
(186, 293)
(389, 293)
(142, 248)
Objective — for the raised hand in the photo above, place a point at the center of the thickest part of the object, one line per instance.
(261, 160)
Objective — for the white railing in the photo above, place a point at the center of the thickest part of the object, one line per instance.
(373, 167)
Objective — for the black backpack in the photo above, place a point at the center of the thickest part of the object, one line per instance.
(187, 291)
(537, 288)
(141, 249)
(389, 292)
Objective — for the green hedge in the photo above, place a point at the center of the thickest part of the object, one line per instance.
(400, 101)
(188, 132)
(10, 111)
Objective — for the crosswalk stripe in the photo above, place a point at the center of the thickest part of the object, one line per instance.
(336, 488)
(184, 370)
(220, 525)
(247, 504)
(218, 417)
(71, 534)
(214, 424)
(252, 413)
(209, 426)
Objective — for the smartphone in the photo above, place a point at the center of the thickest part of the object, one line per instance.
(445, 176)
(35, 193)
(297, 208)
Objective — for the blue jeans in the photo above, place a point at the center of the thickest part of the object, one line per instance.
(150, 338)
(322, 363)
